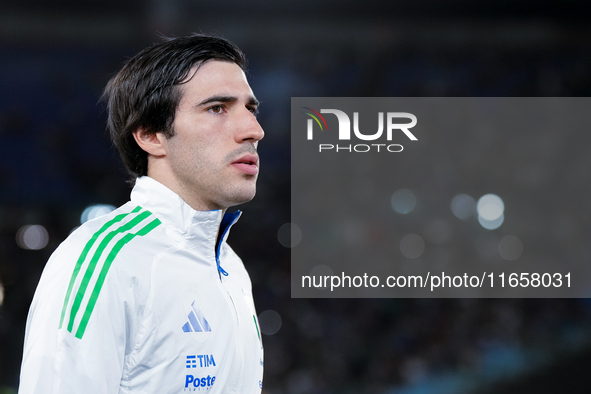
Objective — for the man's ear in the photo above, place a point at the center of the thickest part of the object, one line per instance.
(153, 143)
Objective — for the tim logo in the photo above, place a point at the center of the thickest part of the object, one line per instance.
(201, 361)
(394, 122)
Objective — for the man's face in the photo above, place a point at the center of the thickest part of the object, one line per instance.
(212, 158)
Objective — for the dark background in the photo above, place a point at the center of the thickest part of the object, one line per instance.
(56, 159)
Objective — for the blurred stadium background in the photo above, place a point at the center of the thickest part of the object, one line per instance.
(56, 161)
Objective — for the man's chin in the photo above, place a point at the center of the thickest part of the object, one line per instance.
(241, 198)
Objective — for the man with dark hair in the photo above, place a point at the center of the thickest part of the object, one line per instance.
(150, 298)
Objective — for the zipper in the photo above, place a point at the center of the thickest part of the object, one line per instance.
(227, 221)
(235, 384)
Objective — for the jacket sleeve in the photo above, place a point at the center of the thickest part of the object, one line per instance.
(77, 329)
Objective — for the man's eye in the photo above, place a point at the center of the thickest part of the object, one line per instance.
(255, 111)
(217, 109)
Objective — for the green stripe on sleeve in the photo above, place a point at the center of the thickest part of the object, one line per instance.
(103, 274)
(92, 265)
(83, 255)
(257, 326)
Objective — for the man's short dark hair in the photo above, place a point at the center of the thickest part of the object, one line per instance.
(145, 93)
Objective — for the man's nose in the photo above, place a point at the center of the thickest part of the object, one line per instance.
(250, 129)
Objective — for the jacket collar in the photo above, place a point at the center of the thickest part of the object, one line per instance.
(174, 211)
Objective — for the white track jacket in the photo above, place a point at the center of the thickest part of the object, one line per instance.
(141, 301)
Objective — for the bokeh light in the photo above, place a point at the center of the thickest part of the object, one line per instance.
(289, 235)
(321, 271)
(95, 211)
(491, 224)
(403, 201)
(270, 322)
(463, 206)
(490, 207)
(412, 246)
(32, 237)
(510, 247)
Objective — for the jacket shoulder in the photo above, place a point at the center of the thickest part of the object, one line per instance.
(106, 244)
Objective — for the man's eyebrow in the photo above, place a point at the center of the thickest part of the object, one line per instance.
(220, 99)
(228, 99)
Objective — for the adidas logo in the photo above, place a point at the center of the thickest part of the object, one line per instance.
(197, 322)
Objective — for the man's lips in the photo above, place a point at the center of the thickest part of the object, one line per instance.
(248, 164)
